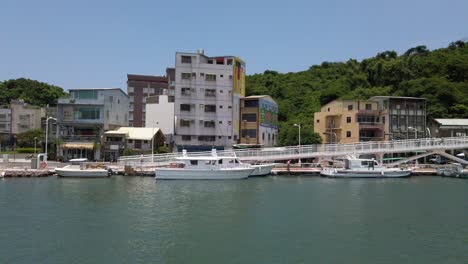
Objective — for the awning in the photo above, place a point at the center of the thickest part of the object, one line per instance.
(78, 145)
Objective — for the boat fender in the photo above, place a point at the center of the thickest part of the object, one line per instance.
(43, 165)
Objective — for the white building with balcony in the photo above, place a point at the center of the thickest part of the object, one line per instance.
(207, 101)
(83, 118)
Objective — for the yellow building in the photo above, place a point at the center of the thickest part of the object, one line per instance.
(349, 121)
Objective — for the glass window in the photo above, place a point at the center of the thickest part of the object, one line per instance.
(85, 94)
(348, 133)
(350, 107)
(348, 119)
(249, 133)
(251, 103)
(186, 59)
(90, 113)
(184, 107)
(249, 117)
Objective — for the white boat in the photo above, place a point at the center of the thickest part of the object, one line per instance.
(204, 168)
(262, 169)
(78, 169)
(364, 168)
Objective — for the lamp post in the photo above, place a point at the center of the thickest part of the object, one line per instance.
(299, 149)
(35, 144)
(47, 135)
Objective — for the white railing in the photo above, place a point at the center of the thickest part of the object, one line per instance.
(311, 151)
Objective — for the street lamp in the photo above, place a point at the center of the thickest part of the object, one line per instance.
(47, 135)
(415, 132)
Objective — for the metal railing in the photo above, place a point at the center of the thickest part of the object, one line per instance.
(312, 151)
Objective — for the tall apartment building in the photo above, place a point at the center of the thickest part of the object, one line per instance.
(349, 121)
(140, 87)
(259, 121)
(403, 117)
(207, 100)
(83, 118)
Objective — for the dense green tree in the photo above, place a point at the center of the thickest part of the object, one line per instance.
(31, 91)
(440, 75)
(26, 139)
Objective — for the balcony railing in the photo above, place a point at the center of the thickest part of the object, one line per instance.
(80, 138)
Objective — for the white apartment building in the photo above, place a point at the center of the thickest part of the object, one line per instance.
(207, 101)
(160, 113)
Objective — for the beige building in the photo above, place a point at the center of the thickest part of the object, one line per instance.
(25, 117)
(349, 121)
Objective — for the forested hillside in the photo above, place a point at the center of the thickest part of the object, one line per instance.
(440, 75)
(31, 91)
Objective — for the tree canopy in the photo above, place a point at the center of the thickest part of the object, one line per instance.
(440, 75)
(31, 91)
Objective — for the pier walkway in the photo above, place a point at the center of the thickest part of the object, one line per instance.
(429, 146)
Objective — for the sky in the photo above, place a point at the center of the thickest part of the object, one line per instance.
(89, 44)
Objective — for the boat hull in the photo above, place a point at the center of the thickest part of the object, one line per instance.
(194, 174)
(262, 170)
(95, 173)
(335, 173)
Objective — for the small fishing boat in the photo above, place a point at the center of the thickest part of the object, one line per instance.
(79, 169)
(364, 168)
(454, 170)
(262, 169)
(212, 167)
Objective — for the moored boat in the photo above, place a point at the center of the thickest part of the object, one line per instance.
(364, 168)
(262, 169)
(79, 169)
(204, 168)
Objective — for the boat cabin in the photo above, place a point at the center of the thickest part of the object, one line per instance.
(360, 163)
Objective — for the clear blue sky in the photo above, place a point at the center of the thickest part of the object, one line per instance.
(83, 43)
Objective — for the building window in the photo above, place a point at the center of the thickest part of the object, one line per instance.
(229, 107)
(207, 138)
(130, 141)
(249, 133)
(348, 119)
(368, 107)
(209, 123)
(350, 107)
(229, 137)
(220, 91)
(220, 122)
(210, 92)
(186, 137)
(210, 77)
(348, 134)
(184, 123)
(229, 61)
(263, 136)
(251, 103)
(210, 61)
(210, 108)
(220, 107)
(185, 107)
(230, 77)
(318, 121)
(249, 117)
(383, 119)
(221, 76)
(202, 74)
(186, 59)
(145, 141)
(328, 109)
(220, 61)
(229, 122)
(186, 75)
(185, 91)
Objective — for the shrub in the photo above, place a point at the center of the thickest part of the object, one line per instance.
(25, 150)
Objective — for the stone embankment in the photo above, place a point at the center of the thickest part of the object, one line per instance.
(10, 173)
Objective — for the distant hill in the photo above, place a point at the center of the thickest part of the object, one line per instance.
(439, 75)
(31, 91)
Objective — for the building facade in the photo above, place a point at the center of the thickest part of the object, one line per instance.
(349, 121)
(25, 117)
(259, 121)
(448, 127)
(136, 139)
(403, 117)
(207, 101)
(140, 87)
(6, 138)
(83, 118)
(160, 113)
